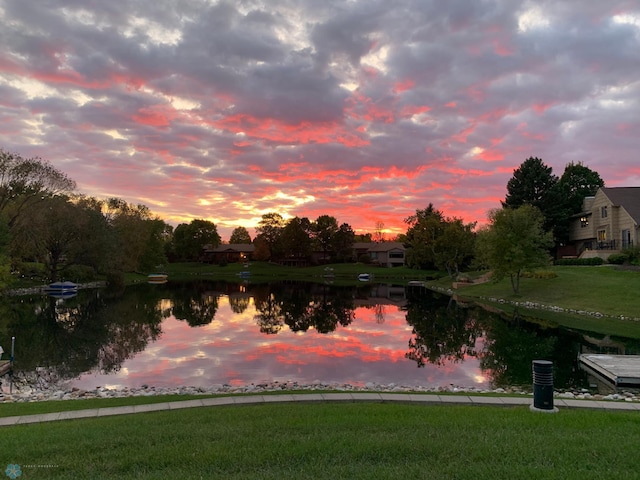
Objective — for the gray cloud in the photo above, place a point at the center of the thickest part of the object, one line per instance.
(358, 109)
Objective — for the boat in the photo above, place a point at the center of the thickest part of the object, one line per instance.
(157, 278)
(61, 287)
(364, 277)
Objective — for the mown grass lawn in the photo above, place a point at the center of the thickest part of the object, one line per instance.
(604, 289)
(318, 441)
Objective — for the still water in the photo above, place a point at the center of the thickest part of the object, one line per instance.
(207, 333)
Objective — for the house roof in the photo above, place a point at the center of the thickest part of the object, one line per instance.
(232, 247)
(626, 197)
(386, 246)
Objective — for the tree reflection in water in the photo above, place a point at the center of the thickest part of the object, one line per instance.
(97, 331)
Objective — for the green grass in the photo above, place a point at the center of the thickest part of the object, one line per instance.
(355, 441)
(263, 271)
(605, 289)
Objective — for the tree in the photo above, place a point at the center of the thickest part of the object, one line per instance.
(269, 230)
(295, 238)
(240, 235)
(190, 239)
(53, 234)
(513, 242)
(576, 183)
(138, 236)
(378, 235)
(5, 261)
(533, 183)
(436, 241)
(454, 246)
(323, 230)
(27, 181)
(343, 243)
(424, 228)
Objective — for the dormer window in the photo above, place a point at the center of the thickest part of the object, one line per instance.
(603, 212)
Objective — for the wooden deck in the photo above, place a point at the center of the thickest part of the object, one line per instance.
(620, 370)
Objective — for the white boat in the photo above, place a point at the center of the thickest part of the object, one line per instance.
(364, 277)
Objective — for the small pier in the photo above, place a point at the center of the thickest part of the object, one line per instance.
(620, 370)
(5, 366)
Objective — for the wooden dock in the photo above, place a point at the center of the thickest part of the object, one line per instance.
(5, 366)
(620, 370)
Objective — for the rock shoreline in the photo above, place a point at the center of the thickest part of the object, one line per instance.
(28, 393)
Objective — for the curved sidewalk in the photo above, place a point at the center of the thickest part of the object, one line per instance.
(418, 399)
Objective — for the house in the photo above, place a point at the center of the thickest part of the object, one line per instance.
(230, 252)
(608, 223)
(385, 254)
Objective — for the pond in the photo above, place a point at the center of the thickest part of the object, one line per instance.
(206, 333)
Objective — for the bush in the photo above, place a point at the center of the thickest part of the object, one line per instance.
(33, 271)
(365, 258)
(618, 259)
(80, 273)
(633, 255)
(543, 274)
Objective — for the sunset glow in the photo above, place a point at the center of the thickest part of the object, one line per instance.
(366, 111)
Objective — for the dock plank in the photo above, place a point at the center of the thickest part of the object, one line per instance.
(619, 369)
(5, 366)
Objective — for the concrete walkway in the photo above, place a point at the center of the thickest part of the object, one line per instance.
(418, 399)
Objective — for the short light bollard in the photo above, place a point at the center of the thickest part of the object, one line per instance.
(543, 387)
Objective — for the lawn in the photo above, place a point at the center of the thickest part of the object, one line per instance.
(606, 290)
(355, 441)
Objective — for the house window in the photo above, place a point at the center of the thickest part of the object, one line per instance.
(603, 212)
(396, 254)
(602, 235)
(584, 222)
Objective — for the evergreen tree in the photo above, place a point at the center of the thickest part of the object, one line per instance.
(533, 183)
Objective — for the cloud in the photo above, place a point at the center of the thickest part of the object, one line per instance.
(363, 110)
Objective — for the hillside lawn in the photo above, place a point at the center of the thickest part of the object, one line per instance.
(607, 296)
(329, 441)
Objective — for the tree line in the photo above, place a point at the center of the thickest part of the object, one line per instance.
(44, 221)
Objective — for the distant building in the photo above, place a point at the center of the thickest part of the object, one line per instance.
(385, 254)
(230, 252)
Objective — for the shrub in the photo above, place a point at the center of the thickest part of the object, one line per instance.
(633, 255)
(80, 273)
(543, 274)
(365, 258)
(618, 259)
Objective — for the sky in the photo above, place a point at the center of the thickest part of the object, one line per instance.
(366, 110)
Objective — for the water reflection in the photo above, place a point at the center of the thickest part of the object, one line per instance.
(205, 333)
